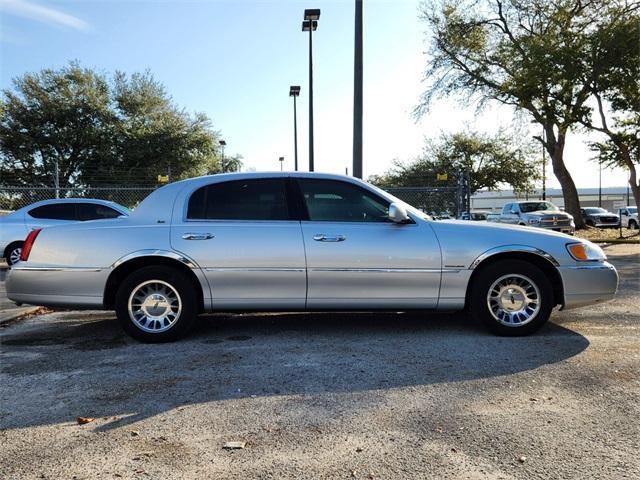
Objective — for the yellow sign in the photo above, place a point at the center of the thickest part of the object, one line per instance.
(163, 178)
(441, 176)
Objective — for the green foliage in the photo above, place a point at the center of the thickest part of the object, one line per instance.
(99, 131)
(491, 160)
(536, 56)
(613, 77)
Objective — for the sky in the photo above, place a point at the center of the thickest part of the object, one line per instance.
(235, 61)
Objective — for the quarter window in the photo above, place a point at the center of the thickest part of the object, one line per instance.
(261, 199)
(335, 201)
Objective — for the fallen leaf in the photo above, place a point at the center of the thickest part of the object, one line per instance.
(83, 420)
(522, 459)
(134, 433)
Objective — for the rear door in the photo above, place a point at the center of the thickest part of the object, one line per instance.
(242, 234)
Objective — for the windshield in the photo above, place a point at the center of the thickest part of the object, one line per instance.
(633, 210)
(591, 211)
(537, 206)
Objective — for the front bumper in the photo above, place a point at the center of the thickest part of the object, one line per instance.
(588, 284)
(57, 287)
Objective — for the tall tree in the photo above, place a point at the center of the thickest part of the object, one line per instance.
(53, 125)
(613, 75)
(87, 129)
(523, 53)
(491, 161)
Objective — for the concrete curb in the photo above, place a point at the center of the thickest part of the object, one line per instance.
(14, 314)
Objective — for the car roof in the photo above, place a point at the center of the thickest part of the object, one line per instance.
(158, 201)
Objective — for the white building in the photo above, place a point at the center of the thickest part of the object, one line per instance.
(612, 198)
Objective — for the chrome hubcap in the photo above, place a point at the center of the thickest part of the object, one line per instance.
(154, 306)
(514, 300)
(14, 256)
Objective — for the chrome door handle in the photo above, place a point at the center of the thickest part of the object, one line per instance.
(198, 236)
(321, 237)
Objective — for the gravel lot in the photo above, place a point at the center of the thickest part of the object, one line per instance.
(327, 396)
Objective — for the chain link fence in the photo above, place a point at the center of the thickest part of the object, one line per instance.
(448, 200)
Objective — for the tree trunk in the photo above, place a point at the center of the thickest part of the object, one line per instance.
(633, 179)
(555, 148)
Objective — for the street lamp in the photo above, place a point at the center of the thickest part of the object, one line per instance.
(281, 160)
(222, 144)
(294, 91)
(310, 24)
(600, 186)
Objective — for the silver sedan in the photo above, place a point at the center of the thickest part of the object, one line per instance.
(302, 242)
(15, 226)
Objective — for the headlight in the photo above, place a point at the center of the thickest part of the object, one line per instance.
(586, 252)
(534, 221)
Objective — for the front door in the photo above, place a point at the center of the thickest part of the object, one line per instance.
(241, 234)
(358, 258)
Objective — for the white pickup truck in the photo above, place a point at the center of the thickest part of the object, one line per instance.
(537, 214)
(629, 217)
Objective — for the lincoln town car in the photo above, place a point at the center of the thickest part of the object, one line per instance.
(302, 242)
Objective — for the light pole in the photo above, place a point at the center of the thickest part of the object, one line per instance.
(222, 165)
(544, 168)
(281, 160)
(357, 93)
(294, 91)
(310, 24)
(600, 186)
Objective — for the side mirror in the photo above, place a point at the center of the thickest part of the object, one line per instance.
(398, 214)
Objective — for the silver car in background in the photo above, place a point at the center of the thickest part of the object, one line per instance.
(302, 242)
(15, 226)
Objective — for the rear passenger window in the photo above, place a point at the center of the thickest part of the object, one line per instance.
(260, 199)
(55, 211)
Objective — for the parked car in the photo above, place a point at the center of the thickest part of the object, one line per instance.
(493, 217)
(538, 214)
(302, 242)
(475, 215)
(629, 217)
(15, 226)
(599, 217)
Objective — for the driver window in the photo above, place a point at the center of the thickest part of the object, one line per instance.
(335, 201)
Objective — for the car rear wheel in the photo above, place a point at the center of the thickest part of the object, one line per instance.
(512, 298)
(633, 225)
(12, 253)
(156, 304)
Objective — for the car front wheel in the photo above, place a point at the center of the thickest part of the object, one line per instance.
(156, 304)
(512, 297)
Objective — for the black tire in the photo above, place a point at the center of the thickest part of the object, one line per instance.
(12, 247)
(163, 276)
(633, 225)
(485, 279)
(591, 223)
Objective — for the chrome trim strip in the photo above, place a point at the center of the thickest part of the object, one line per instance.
(155, 253)
(598, 266)
(58, 269)
(513, 248)
(386, 270)
(251, 269)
